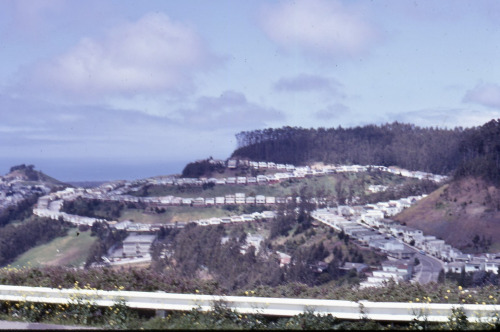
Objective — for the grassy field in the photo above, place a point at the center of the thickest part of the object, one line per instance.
(70, 250)
(325, 184)
(177, 213)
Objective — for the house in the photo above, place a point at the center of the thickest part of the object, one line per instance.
(220, 181)
(250, 200)
(272, 179)
(260, 199)
(236, 219)
(209, 201)
(262, 179)
(167, 200)
(230, 199)
(270, 200)
(400, 266)
(284, 258)
(474, 266)
(199, 201)
(492, 266)
(187, 201)
(247, 217)
(251, 180)
(214, 221)
(239, 198)
(241, 180)
(232, 163)
(359, 267)
(268, 214)
(137, 245)
(231, 180)
(219, 200)
(454, 267)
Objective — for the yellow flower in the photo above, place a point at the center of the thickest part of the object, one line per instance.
(197, 291)
(459, 287)
(447, 291)
(417, 299)
(484, 303)
(446, 297)
(491, 296)
(246, 292)
(463, 300)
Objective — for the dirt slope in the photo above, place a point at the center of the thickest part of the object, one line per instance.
(459, 211)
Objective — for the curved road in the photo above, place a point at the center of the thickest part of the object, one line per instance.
(428, 269)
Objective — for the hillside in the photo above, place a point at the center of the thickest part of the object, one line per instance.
(465, 213)
(28, 173)
(408, 146)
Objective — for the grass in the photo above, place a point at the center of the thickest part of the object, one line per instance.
(285, 188)
(173, 214)
(70, 250)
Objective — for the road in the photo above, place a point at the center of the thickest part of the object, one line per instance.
(9, 325)
(428, 269)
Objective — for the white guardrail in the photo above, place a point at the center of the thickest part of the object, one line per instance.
(379, 311)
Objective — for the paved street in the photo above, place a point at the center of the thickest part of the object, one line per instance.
(428, 269)
(8, 325)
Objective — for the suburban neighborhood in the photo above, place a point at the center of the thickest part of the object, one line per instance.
(369, 225)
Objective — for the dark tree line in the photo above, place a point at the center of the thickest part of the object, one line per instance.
(16, 239)
(480, 152)
(201, 168)
(19, 211)
(94, 208)
(415, 148)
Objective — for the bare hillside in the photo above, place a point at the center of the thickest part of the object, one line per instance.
(464, 213)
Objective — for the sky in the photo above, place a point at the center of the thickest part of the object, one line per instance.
(108, 90)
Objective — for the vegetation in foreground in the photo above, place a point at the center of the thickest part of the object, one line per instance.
(84, 311)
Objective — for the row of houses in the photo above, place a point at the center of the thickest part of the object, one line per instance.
(364, 235)
(287, 171)
(230, 199)
(320, 168)
(469, 263)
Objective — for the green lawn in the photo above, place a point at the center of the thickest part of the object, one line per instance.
(70, 250)
(175, 213)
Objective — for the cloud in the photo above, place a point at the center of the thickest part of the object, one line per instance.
(332, 112)
(319, 27)
(152, 55)
(86, 137)
(230, 110)
(308, 83)
(485, 94)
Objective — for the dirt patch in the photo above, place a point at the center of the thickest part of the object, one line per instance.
(459, 212)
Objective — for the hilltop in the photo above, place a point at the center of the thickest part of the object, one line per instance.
(29, 174)
(465, 213)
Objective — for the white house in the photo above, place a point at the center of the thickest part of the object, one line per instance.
(137, 245)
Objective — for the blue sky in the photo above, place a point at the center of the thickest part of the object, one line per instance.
(104, 90)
